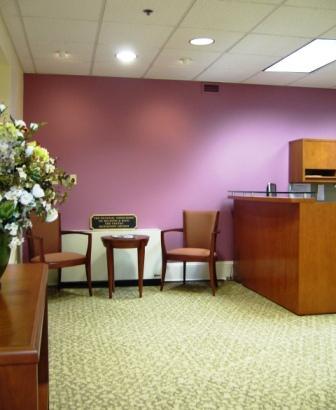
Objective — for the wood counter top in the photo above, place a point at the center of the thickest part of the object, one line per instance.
(277, 199)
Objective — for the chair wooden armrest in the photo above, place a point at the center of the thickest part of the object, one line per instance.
(89, 236)
(172, 230)
(213, 240)
(40, 245)
(163, 245)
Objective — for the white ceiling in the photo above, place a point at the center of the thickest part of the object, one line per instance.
(250, 35)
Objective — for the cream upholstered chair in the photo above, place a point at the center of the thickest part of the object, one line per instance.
(45, 245)
(199, 243)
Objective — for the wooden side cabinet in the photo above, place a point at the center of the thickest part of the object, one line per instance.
(24, 338)
(312, 160)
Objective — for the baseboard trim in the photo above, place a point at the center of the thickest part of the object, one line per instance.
(196, 271)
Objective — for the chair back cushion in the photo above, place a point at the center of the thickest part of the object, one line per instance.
(49, 231)
(198, 226)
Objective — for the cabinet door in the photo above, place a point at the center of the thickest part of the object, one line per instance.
(319, 154)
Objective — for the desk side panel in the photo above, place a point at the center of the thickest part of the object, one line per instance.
(19, 387)
(266, 249)
(317, 275)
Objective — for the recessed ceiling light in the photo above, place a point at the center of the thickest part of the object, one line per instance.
(201, 41)
(185, 60)
(308, 58)
(62, 54)
(126, 56)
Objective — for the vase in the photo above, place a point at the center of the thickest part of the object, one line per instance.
(4, 252)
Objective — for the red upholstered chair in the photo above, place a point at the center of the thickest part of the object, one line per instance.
(45, 245)
(199, 243)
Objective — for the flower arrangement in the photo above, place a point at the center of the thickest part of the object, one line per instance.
(29, 179)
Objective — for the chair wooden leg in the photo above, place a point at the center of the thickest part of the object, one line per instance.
(212, 277)
(215, 273)
(184, 272)
(88, 277)
(59, 278)
(163, 274)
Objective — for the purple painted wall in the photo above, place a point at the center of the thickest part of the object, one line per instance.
(153, 147)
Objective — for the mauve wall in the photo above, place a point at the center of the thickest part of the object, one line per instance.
(153, 147)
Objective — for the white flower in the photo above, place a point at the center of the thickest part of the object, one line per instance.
(49, 168)
(20, 124)
(12, 228)
(29, 150)
(21, 172)
(52, 215)
(45, 205)
(33, 126)
(13, 194)
(26, 198)
(25, 169)
(37, 191)
(15, 242)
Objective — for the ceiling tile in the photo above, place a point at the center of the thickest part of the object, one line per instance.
(268, 78)
(331, 34)
(172, 73)
(319, 4)
(159, 40)
(324, 77)
(27, 65)
(262, 1)
(297, 21)
(62, 9)
(131, 11)
(269, 45)
(169, 67)
(172, 56)
(60, 31)
(134, 36)
(226, 15)
(50, 66)
(223, 39)
(311, 85)
(9, 8)
(235, 67)
(114, 69)
(16, 31)
(78, 51)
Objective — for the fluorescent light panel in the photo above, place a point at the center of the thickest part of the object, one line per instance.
(308, 58)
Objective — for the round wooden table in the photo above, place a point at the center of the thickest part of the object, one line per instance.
(125, 242)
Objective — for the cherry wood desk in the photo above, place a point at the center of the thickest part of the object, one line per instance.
(284, 249)
(136, 241)
(24, 338)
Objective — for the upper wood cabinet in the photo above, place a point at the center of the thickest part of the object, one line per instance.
(312, 160)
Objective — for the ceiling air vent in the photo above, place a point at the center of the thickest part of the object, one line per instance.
(211, 88)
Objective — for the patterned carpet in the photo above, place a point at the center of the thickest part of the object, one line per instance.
(185, 349)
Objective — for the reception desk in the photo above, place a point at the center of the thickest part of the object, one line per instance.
(284, 249)
(24, 374)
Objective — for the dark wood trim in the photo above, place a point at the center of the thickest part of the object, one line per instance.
(104, 283)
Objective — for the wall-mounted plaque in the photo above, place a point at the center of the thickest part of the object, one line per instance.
(113, 221)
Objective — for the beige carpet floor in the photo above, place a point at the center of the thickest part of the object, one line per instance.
(185, 349)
